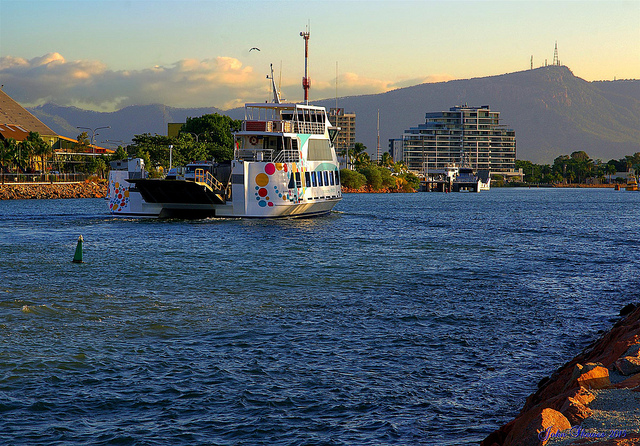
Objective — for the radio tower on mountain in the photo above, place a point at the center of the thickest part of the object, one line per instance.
(555, 55)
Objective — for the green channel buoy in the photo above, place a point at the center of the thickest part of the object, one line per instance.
(77, 258)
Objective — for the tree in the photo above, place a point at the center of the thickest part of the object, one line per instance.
(40, 149)
(119, 154)
(97, 165)
(387, 159)
(373, 175)
(388, 180)
(31, 147)
(352, 179)
(83, 143)
(154, 150)
(216, 132)
(10, 152)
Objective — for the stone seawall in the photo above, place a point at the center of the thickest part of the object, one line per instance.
(87, 189)
(592, 400)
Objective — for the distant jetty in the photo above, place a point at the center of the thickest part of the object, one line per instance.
(21, 191)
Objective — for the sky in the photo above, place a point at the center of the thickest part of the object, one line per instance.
(104, 55)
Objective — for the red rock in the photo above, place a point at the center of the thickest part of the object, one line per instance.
(538, 430)
(629, 383)
(583, 396)
(575, 411)
(628, 365)
(562, 384)
(591, 376)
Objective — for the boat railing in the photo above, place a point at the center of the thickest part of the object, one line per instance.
(269, 126)
(315, 128)
(254, 154)
(287, 156)
(205, 177)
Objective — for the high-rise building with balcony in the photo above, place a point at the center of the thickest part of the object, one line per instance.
(346, 138)
(462, 135)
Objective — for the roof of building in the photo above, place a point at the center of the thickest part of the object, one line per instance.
(13, 113)
(13, 131)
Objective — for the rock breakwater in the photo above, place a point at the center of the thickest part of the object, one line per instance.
(86, 189)
(594, 399)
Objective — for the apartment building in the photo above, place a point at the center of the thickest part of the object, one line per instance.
(346, 138)
(469, 135)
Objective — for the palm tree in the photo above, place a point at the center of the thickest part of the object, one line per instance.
(40, 149)
(11, 149)
(387, 159)
(610, 169)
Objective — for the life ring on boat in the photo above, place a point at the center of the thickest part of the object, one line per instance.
(253, 140)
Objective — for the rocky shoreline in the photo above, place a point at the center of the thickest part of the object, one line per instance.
(592, 400)
(86, 189)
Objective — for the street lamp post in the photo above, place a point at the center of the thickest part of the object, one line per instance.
(196, 135)
(93, 135)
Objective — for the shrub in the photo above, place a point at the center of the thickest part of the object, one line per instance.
(374, 177)
(352, 179)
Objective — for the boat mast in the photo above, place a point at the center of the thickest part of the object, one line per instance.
(378, 148)
(306, 82)
(276, 93)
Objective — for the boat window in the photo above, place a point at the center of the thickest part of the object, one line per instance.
(320, 182)
(333, 132)
(307, 179)
(298, 180)
(319, 150)
(292, 182)
(337, 177)
(314, 179)
(326, 178)
(331, 179)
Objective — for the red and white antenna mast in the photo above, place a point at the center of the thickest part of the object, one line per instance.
(306, 82)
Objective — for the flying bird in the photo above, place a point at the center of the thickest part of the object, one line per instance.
(254, 48)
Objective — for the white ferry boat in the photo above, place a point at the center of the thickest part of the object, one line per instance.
(284, 165)
(467, 180)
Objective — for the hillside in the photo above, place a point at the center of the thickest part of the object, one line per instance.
(552, 111)
(125, 123)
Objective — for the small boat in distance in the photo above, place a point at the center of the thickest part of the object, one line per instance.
(469, 181)
(284, 165)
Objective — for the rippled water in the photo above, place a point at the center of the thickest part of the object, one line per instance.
(398, 319)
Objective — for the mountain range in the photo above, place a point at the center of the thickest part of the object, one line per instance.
(552, 111)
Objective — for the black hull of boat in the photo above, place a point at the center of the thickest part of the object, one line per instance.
(178, 191)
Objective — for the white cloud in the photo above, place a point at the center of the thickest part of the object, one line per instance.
(222, 82)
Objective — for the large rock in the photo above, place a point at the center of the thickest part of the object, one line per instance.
(591, 376)
(629, 362)
(575, 411)
(547, 425)
(628, 365)
(575, 406)
(554, 391)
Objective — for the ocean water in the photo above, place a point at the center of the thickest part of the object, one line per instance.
(409, 319)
